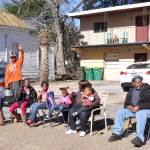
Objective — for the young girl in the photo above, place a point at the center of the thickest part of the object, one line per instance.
(27, 95)
(65, 102)
(45, 99)
(87, 99)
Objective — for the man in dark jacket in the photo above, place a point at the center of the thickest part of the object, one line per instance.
(137, 104)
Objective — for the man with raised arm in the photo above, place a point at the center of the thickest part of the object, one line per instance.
(13, 73)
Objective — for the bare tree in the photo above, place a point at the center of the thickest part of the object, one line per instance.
(59, 55)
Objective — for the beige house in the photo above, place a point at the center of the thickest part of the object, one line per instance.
(114, 37)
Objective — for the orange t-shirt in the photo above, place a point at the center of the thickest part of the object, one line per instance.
(14, 70)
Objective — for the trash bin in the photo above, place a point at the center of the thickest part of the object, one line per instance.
(89, 74)
(98, 73)
(80, 73)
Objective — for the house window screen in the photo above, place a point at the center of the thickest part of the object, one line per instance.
(112, 57)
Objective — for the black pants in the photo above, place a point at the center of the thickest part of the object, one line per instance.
(83, 116)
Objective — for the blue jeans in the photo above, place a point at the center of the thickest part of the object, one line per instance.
(59, 107)
(83, 116)
(34, 109)
(141, 120)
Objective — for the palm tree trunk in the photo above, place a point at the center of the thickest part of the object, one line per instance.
(60, 68)
(59, 55)
(44, 67)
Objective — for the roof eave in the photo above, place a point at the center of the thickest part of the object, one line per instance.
(109, 9)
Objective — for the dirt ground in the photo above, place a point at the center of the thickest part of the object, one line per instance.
(19, 137)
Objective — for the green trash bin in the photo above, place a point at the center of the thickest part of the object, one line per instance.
(98, 73)
(89, 74)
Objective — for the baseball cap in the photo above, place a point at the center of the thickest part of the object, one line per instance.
(138, 77)
(13, 54)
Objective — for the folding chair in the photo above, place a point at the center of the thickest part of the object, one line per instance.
(130, 124)
(102, 109)
(148, 136)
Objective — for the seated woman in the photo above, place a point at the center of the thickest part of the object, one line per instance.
(65, 103)
(86, 100)
(27, 95)
(45, 100)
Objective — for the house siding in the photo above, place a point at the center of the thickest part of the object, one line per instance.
(30, 44)
(117, 24)
(95, 57)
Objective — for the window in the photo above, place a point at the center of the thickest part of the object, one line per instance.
(100, 27)
(139, 57)
(112, 57)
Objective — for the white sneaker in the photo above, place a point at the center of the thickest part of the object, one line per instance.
(77, 122)
(82, 134)
(71, 132)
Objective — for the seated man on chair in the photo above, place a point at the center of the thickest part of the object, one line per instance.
(137, 104)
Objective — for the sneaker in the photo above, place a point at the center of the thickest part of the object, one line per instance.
(55, 113)
(71, 132)
(75, 114)
(137, 142)
(114, 137)
(29, 122)
(82, 134)
(77, 122)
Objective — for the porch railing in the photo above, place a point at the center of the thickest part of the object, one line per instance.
(119, 35)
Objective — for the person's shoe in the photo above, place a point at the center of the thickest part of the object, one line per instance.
(82, 134)
(114, 137)
(71, 132)
(137, 142)
(16, 118)
(77, 122)
(29, 122)
(75, 114)
(55, 113)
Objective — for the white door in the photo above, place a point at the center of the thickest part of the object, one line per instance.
(112, 69)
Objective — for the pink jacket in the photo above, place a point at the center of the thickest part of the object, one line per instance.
(66, 100)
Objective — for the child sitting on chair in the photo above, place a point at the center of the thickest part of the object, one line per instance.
(87, 99)
(65, 102)
(26, 96)
(45, 100)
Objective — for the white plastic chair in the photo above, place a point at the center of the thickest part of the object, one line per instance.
(102, 109)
